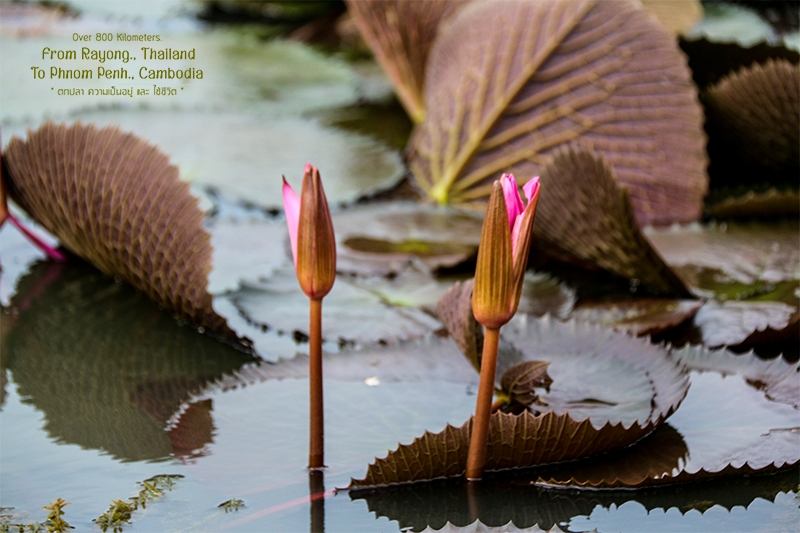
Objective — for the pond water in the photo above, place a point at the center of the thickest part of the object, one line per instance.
(102, 390)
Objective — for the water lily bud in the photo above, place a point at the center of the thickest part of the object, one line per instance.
(315, 261)
(493, 275)
(503, 252)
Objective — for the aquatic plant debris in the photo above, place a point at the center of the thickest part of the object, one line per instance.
(232, 505)
(120, 512)
(502, 98)
(139, 223)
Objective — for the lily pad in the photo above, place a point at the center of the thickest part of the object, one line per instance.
(384, 238)
(744, 324)
(246, 251)
(401, 35)
(412, 287)
(599, 230)
(678, 19)
(116, 201)
(638, 317)
(753, 204)
(728, 426)
(577, 417)
(348, 312)
(96, 394)
(582, 77)
(744, 253)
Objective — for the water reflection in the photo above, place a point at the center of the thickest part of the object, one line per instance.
(496, 503)
(316, 496)
(107, 368)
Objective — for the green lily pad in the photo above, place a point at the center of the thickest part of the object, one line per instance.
(384, 238)
(242, 156)
(75, 322)
(348, 312)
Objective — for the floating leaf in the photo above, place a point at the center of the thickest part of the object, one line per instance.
(245, 252)
(349, 312)
(521, 381)
(509, 83)
(243, 155)
(638, 317)
(708, 257)
(728, 428)
(744, 324)
(753, 204)
(584, 217)
(116, 201)
(753, 119)
(401, 35)
(412, 287)
(119, 368)
(383, 238)
(579, 418)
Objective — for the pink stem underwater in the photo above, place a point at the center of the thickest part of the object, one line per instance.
(51, 252)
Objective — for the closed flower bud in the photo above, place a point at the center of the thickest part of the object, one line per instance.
(311, 235)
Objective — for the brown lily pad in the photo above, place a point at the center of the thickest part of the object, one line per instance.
(728, 427)
(400, 35)
(638, 317)
(599, 229)
(503, 98)
(753, 204)
(753, 119)
(677, 17)
(575, 419)
(116, 201)
(384, 238)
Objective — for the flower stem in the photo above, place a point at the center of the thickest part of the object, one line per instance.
(476, 459)
(316, 458)
(51, 252)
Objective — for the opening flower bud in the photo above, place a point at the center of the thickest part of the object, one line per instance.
(311, 234)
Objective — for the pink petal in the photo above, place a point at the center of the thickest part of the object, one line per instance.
(291, 207)
(514, 204)
(51, 252)
(515, 236)
(531, 189)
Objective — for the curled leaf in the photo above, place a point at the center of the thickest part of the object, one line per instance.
(585, 217)
(753, 118)
(116, 201)
(509, 83)
(401, 34)
(521, 381)
(753, 204)
(745, 324)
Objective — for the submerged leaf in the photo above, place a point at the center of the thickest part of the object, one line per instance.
(116, 201)
(509, 83)
(577, 418)
(400, 34)
(383, 238)
(584, 217)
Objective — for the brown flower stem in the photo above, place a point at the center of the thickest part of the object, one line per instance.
(316, 453)
(476, 459)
